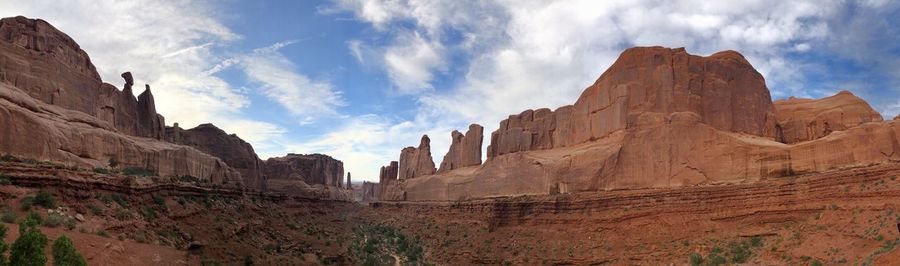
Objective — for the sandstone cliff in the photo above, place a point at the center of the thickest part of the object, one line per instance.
(230, 148)
(55, 107)
(465, 150)
(311, 169)
(417, 161)
(723, 89)
(809, 119)
(662, 118)
(50, 67)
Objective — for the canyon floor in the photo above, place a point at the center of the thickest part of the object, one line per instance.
(846, 216)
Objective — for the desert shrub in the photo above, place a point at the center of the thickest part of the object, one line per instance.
(103, 233)
(140, 237)
(248, 261)
(54, 220)
(756, 241)
(123, 214)
(70, 224)
(189, 179)
(29, 247)
(113, 163)
(138, 171)
(100, 170)
(159, 200)
(64, 253)
(8, 216)
(26, 203)
(4, 180)
(94, 209)
(33, 218)
(149, 213)
(45, 199)
(696, 259)
(8, 158)
(118, 199)
(3, 246)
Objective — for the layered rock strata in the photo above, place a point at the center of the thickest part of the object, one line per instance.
(229, 147)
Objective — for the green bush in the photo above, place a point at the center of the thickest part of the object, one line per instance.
(94, 209)
(119, 200)
(3, 246)
(103, 233)
(149, 213)
(696, 259)
(4, 180)
(100, 170)
(159, 200)
(113, 162)
(138, 171)
(54, 220)
(64, 253)
(29, 247)
(26, 203)
(70, 224)
(8, 158)
(33, 218)
(123, 214)
(45, 199)
(8, 217)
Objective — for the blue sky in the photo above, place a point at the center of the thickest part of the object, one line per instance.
(359, 80)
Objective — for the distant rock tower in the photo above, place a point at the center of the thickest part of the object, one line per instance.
(349, 185)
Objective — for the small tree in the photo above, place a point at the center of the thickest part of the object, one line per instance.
(113, 162)
(28, 249)
(64, 253)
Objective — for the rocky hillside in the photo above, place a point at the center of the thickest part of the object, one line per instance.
(658, 117)
(54, 107)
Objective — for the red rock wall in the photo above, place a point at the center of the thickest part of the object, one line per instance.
(50, 67)
(465, 150)
(807, 119)
(723, 89)
(311, 169)
(417, 161)
(230, 148)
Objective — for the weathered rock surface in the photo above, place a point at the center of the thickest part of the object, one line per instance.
(229, 147)
(809, 119)
(723, 89)
(311, 169)
(370, 191)
(34, 129)
(417, 161)
(465, 150)
(50, 67)
(388, 188)
(694, 120)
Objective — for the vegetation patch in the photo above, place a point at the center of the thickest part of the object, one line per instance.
(383, 245)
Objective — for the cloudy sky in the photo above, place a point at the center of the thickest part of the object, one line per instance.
(359, 80)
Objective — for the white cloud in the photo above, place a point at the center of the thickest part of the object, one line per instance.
(410, 63)
(296, 92)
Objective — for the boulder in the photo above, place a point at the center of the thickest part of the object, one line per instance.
(465, 150)
(417, 161)
(808, 119)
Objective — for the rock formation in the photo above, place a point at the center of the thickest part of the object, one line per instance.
(417, 161)
(49, 66)
(56, 108)
(311, 169)
(465, 150)
(808, 119)
(230, 148)
(659, 117)
(370, 191)
(723, 89)
(349, 182)
(387, 190)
